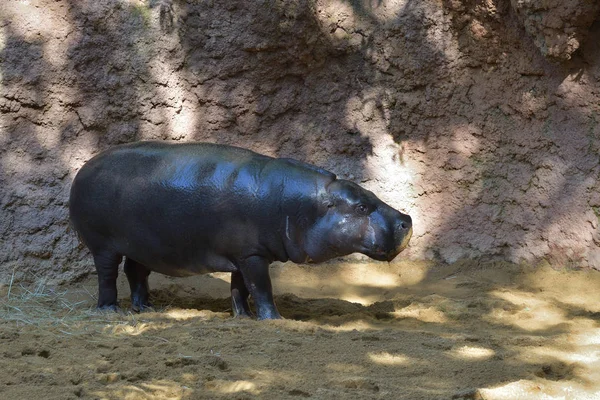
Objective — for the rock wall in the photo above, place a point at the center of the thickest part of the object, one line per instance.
(454, 111)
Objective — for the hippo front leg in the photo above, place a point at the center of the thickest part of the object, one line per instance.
(255, 271)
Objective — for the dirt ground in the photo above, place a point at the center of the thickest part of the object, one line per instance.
(352, 331)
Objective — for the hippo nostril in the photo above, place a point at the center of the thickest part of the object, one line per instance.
(403, 233)
(405, 224)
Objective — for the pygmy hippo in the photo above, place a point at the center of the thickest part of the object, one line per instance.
(191, 208)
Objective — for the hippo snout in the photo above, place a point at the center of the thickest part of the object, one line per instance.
(402, 234)
(403, 225)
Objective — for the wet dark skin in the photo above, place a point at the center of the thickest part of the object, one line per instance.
(194, 208)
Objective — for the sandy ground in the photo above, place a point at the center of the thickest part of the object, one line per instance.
(352, 331)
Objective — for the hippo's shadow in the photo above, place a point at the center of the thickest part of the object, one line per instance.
(328, 310)
(175, 296)
(331, 310)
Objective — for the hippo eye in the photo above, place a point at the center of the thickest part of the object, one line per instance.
(362, 209)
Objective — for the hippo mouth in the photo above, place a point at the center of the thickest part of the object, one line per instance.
(381, 255)
(404, 243)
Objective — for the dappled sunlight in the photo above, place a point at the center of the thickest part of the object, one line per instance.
(386, 10)
(76, 156)
(586, 334)
(3, 39)
(156, 389)
(142, 324)
(539, 389)
(185, 314)
(134, 330)
(335, 325)
(231, 387)
(385, 164)
(370, 275)
(420, 342)
(532, 313)
(356, 26)
(350, 21)
(31, 18)
(572, 91)
(421, 312)
(258, 380)
(412, 273)
(178, 119)
(332, 12)
(572, 291)
(399, 180)
(357, 325)
(172, 111)
(379, 10)
(572, 352)
(357, 282)
(31, 22)
(586, 355)
(183, 122)
(362, 300)
(385, 358)
(471, 353)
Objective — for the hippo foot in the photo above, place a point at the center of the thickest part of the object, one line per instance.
(148, 307)
(106, 308)
(279, 317)
(271, 315)
(243, 315)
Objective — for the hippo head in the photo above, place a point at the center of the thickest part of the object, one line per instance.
(352, 219)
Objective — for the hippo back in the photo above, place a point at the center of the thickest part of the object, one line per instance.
(194, 207)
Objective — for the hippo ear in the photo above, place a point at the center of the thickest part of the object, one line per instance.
(325, 202)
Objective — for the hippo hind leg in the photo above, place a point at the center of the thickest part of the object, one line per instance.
(137, 275)
(239, 296)
(107, 267)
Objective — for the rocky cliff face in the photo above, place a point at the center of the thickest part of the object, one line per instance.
(558, 27)
(457, 112)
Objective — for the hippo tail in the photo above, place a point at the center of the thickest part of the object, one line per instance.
(71, 228)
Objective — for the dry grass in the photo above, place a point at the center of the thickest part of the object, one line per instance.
(40, 305)
(68, 311)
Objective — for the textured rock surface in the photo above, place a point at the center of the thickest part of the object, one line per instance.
(557, 26)
(447, 110)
